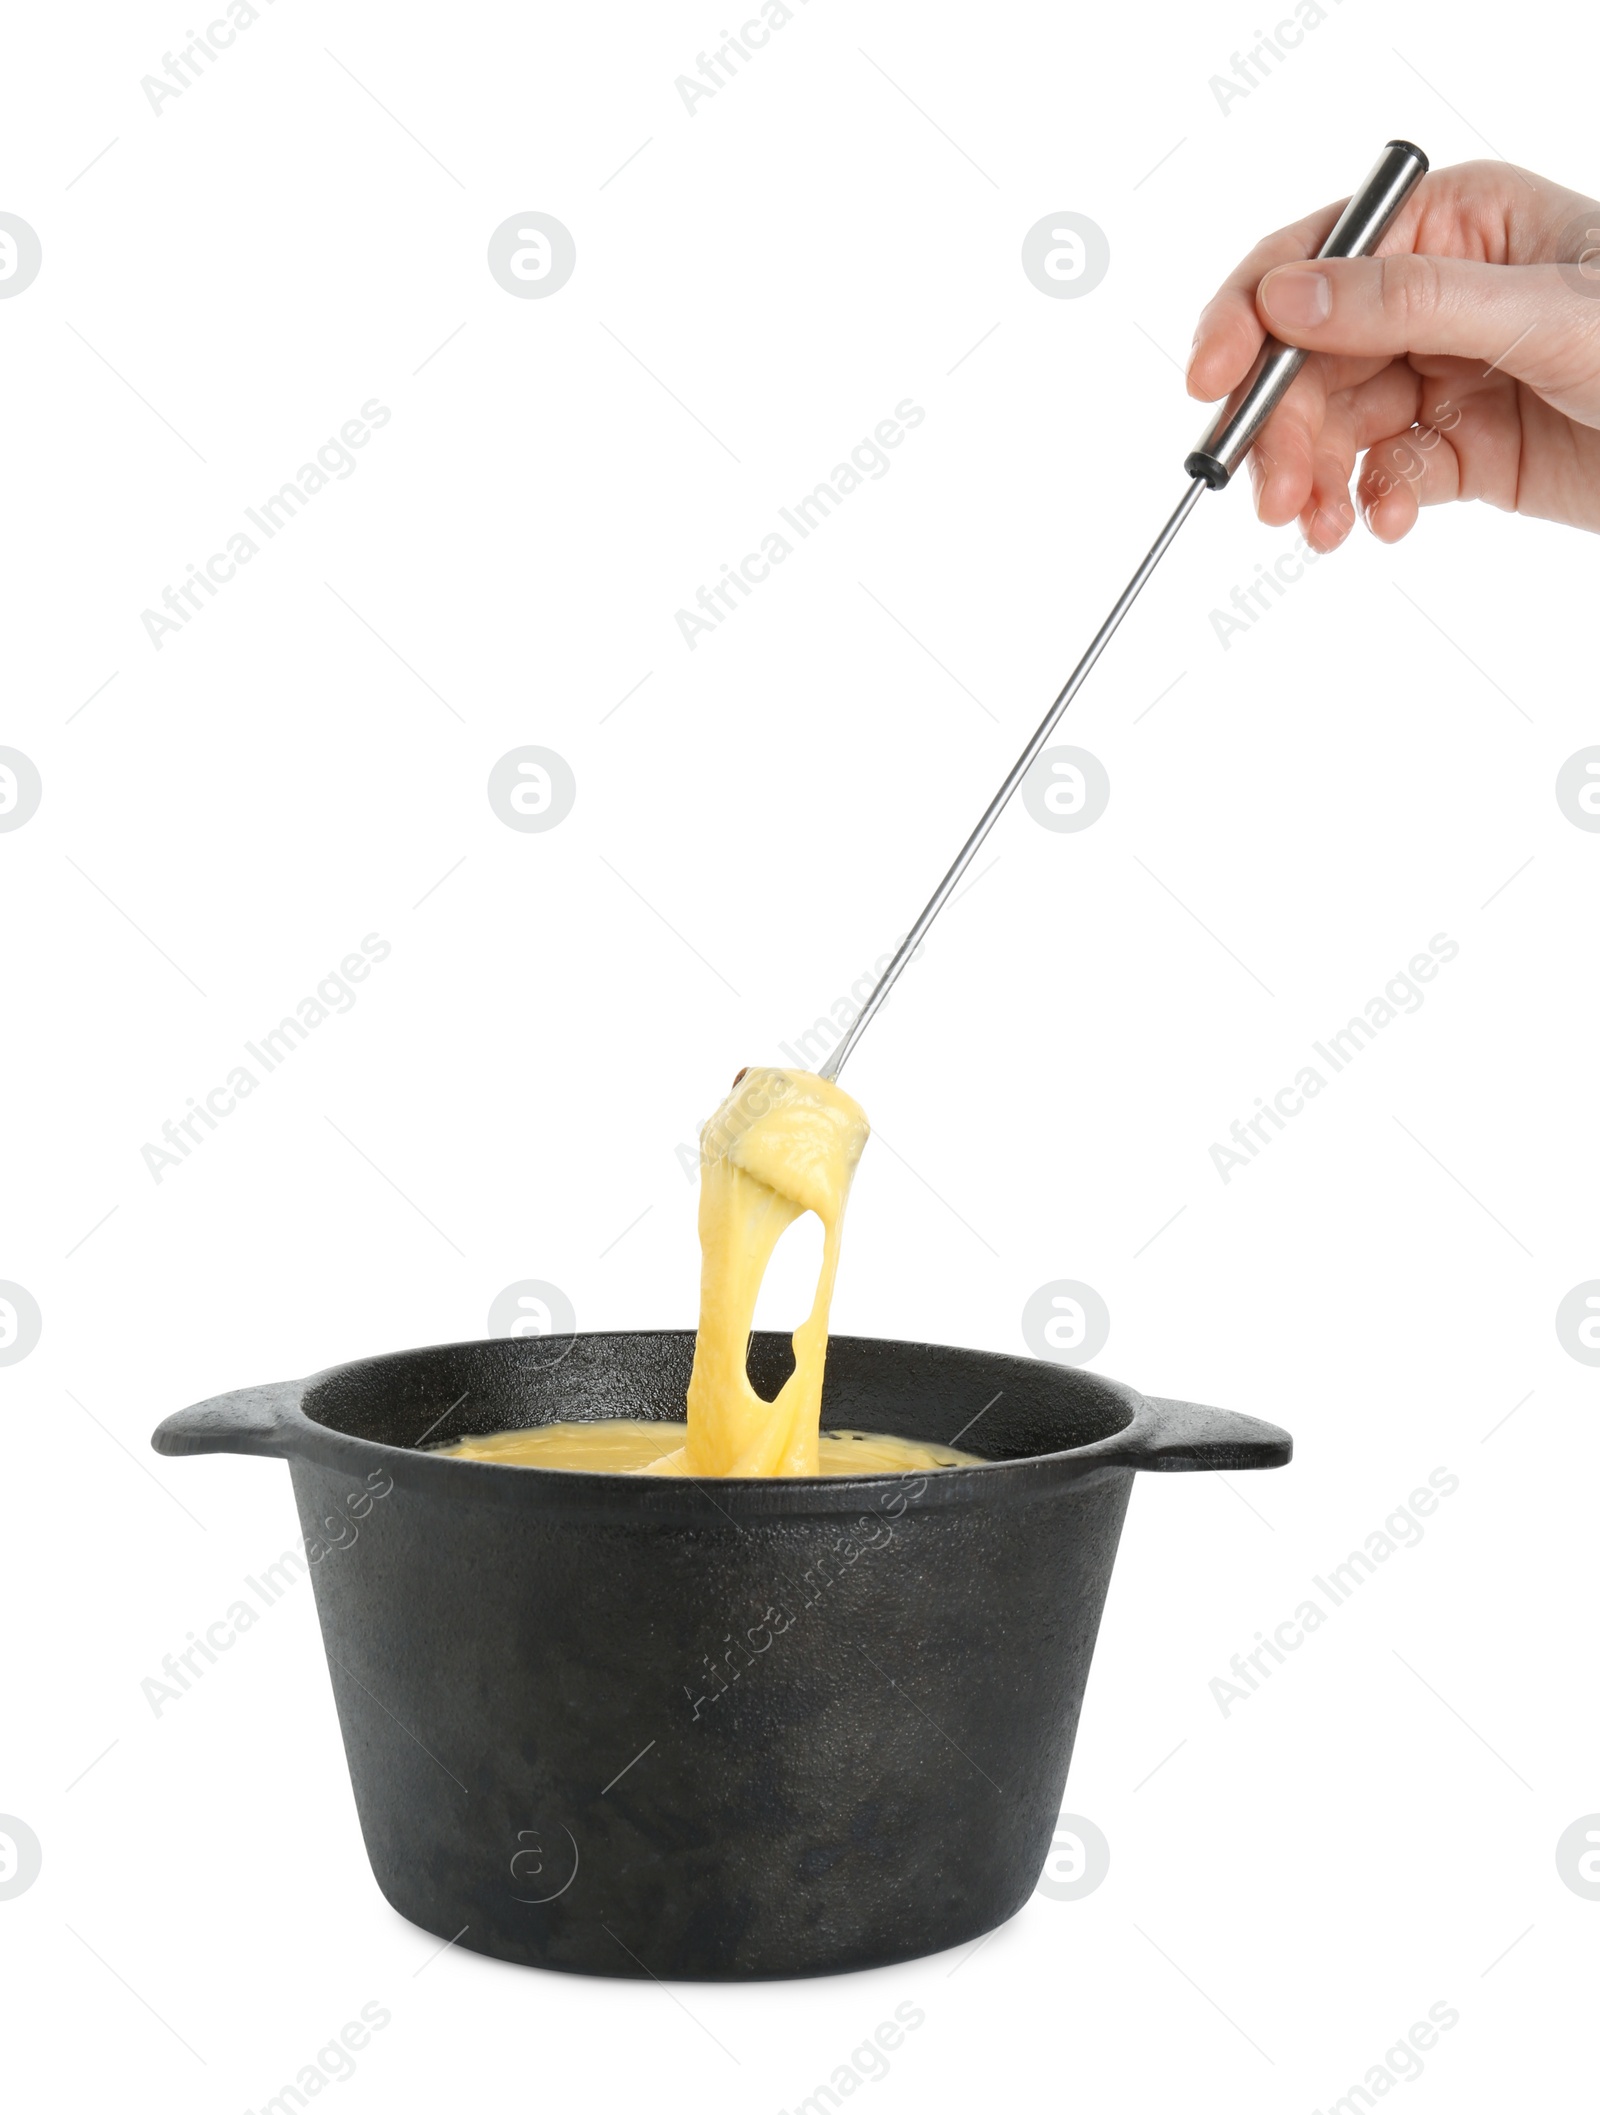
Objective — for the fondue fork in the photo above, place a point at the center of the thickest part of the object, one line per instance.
(1223, 447)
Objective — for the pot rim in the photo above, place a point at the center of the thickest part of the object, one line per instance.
(1156, 1433)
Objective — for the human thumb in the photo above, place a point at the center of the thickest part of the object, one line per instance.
(1525, 319)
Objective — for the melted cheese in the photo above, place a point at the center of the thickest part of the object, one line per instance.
(784, 1142)
(632, 1446)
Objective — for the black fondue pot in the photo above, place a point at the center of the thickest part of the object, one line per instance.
(746, 1727)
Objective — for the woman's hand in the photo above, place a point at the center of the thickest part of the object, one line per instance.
(1463, 360)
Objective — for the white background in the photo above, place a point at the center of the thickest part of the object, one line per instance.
(835, 231)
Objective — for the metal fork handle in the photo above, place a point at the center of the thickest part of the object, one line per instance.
(1357, 233)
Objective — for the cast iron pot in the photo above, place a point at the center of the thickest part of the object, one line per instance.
(635, 1726)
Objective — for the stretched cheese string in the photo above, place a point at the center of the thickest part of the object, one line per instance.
(784, 1142)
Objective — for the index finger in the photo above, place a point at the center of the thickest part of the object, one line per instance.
(1229, 333)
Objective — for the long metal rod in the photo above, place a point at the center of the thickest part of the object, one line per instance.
(1019, 771)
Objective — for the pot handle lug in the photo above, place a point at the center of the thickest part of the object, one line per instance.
(265, 1420)
(1185, 1437)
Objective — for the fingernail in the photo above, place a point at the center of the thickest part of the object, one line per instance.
(1296, 296)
